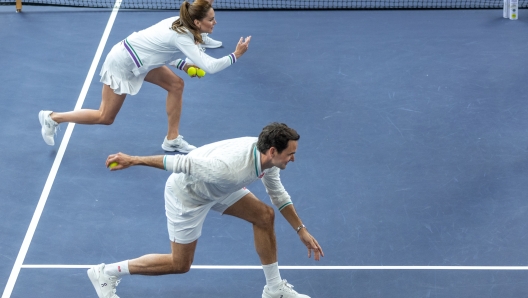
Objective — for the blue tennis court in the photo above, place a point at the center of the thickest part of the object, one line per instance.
(411, 168)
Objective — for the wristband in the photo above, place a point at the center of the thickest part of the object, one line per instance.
(179, 64)
(232, 58)
(300, 227)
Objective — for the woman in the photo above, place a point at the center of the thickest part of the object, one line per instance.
(143, 56)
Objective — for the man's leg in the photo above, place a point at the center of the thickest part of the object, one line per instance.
(105, 278)
(262, 216)
(179, 261)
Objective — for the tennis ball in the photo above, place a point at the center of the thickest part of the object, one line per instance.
(191, 71)
(200, 72)
(113, 164)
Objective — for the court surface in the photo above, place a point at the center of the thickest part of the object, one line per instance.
(411, 170)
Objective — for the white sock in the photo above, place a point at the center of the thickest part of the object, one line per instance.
(117, 269)
(272, 274)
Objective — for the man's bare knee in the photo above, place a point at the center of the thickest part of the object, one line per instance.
(266, 217)
(181, 267)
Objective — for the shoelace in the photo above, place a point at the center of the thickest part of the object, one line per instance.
(51, 124)
(287, 285)
(115, 283)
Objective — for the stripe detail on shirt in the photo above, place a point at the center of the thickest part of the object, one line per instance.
(232, 57)
(132, 53)
(282, 207)
(255, 157)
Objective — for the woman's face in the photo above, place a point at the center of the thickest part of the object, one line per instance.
(206, 24)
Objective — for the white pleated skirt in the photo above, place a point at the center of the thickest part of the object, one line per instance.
(117, 72)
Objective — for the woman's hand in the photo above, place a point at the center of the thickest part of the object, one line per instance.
(242, 46)
(186, 68)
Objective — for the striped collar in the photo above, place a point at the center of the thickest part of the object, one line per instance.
(256, 158)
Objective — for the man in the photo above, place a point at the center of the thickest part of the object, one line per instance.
(214, 177)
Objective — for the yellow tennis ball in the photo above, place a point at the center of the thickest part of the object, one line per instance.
(113, 164)
(200, 72)
(191, 71)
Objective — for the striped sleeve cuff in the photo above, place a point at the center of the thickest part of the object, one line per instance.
(168, 162)
(286, 204)
(232, 57)
(179, 64)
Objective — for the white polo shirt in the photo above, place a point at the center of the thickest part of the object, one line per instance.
(214, 171)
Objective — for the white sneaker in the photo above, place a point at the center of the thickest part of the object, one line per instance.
(178, 144)
(208, 42)
(104, 285)
(49, 127)
(285, 291)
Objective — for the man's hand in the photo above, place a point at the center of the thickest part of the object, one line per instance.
(123, 161)
(311, 244)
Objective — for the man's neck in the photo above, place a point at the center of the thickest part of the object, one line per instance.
(265, 161)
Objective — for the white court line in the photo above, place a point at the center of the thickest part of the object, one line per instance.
(56, 163)
(312, 267)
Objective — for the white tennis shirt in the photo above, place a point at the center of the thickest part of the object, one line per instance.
(159, 45)
(214, 171)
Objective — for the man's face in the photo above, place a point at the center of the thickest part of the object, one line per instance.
(280, 160)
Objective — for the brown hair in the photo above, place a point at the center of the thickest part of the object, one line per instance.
(276, 135)
(188, 13)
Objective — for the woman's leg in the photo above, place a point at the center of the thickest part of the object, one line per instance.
(168, 80)
(110, 105)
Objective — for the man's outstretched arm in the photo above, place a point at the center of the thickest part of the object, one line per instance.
(125, 161)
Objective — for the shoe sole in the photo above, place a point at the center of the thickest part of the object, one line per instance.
(43, 131)
(211, 47)
(95, 281)
(264, 295)
(170, 149)
(180, 151)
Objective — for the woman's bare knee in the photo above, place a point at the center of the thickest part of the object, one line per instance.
(166, 79)
(106, 120)
(176, 85)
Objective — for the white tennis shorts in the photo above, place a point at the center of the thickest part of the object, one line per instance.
(185, 222)
(117, 72)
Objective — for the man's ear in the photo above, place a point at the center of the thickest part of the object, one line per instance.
(272, 151)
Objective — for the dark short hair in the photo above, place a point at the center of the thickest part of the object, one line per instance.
(276, 135)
